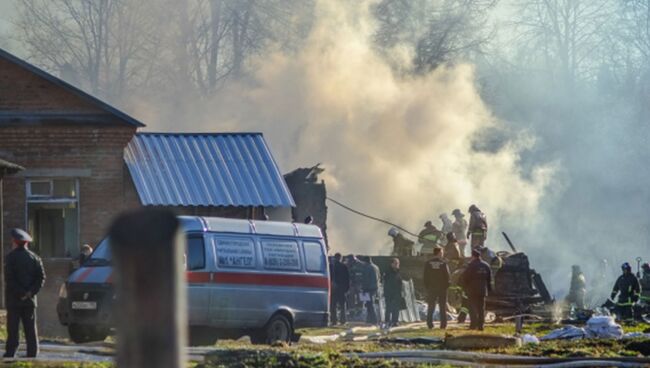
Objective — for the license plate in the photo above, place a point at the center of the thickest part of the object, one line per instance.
(84, 305)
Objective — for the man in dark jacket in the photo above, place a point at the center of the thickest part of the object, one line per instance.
(369, 288)
(340, 286)
(628, 288)
(477, 227)
(436, 283)
(393, 293)
(24, 277)
(476, 281)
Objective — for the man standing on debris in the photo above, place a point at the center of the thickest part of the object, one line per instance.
(452, 251)
(578, 288)
(477, 227)
(369, 288)
(436, 283)
(401, 245)
(393, 294)
(24, 277)
(447, 226)
(459, 228)
(476, 281)
(627, 288)
(340, 285)
(429, 237)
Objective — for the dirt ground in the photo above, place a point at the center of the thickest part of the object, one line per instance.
(315, 351)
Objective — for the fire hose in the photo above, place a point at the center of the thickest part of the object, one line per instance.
(483, 359)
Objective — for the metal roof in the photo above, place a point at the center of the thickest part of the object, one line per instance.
(229, 169)
(67, 86)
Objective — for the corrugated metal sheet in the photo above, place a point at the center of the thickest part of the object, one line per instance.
(234, 169)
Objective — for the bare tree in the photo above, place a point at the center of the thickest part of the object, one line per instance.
(106, 46)
(219, 36)
(438, 31)
(631, 40)
(564, 37)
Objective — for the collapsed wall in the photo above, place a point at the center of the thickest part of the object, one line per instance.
(309, 195)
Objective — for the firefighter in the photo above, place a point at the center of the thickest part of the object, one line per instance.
(459, 228)
(477, 227)
(24, 277)
(452, 251)
(645, 283)
(578, 288)
(446, 227)
(476, 281)
(401, 245)
(430, 238)
(436, 283)
(627, 288)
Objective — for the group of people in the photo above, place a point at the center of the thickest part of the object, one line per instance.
(627, 291)
(357, 280)
(452, 236)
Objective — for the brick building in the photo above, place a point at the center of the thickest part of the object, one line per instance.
(85, 163)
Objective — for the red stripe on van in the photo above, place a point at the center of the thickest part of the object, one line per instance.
(271, 279)
(198, 277)
(84, 275)
(266, 279)
(109, 279)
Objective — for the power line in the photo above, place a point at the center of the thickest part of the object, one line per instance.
(371, 217)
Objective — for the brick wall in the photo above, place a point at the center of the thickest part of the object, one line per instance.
(21, 90)
(98, 150)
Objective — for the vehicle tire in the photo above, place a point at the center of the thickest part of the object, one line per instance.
(278, 328)
(80, 334)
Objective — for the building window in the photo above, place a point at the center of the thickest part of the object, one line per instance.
(53, 216)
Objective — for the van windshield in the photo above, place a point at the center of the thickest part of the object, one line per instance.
(101, 256)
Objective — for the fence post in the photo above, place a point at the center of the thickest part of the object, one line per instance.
(150, 309)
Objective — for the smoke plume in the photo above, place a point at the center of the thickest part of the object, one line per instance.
(403, 148)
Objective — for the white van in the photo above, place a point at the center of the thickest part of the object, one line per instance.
(263, 279)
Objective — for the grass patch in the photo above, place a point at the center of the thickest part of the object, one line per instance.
(280, 359)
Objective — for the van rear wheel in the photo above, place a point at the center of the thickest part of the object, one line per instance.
(277, 329)
(80, 334)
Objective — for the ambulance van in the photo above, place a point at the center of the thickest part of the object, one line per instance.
(263, 279)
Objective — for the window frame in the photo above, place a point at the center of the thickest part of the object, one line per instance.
(216, 237)
(322, 256)
(199, 236)
(265, 240)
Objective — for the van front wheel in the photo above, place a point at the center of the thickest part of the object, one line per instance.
(277, 329)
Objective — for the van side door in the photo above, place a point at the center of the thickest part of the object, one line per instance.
(198, 280)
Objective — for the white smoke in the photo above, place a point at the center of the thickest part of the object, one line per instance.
(397, 147)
